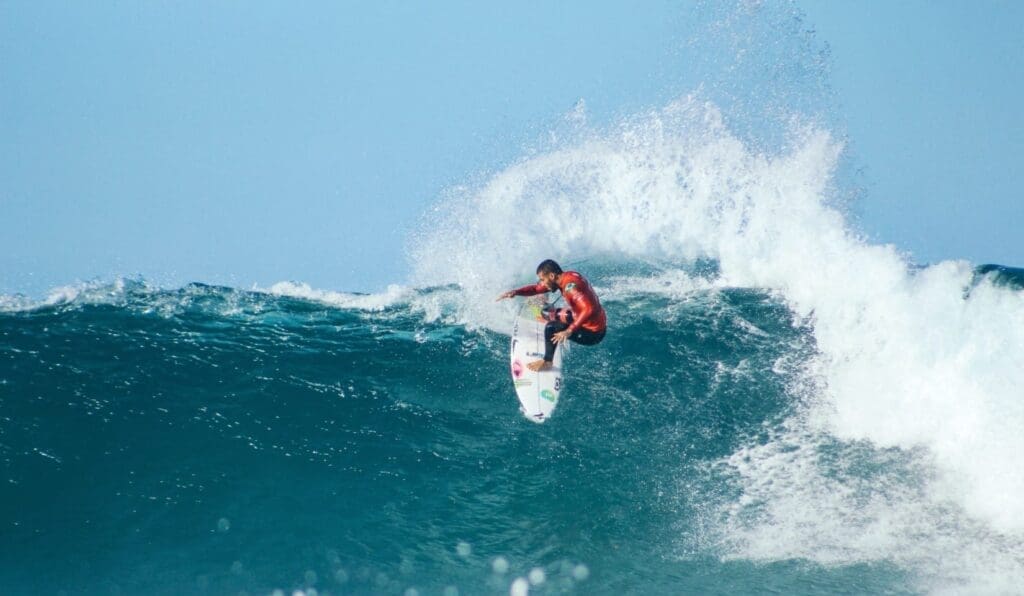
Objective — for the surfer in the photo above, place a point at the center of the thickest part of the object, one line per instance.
(584, 322)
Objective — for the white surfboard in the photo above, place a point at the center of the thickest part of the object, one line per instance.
(537, 391)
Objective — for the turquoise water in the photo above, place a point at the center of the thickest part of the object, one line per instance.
(211, 440)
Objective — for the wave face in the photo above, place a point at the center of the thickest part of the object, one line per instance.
(214, 440)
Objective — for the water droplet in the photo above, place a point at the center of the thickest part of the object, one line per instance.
(450, 591)
(464, 549)
(500, 565)
(341, 576)
(223, 524)
(237, 568)
(580, 572)
(411, 592)
(537, 576)
(520, 587)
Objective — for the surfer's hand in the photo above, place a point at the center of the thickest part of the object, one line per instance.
(560, 336)
(505, 295)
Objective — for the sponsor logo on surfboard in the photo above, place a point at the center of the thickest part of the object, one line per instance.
(517, 369)
(548, 395)
(522, 382)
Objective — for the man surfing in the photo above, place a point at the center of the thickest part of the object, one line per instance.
(584, 322)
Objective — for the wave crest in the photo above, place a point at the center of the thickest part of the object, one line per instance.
(906, 357)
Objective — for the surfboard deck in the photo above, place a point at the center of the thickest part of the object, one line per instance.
(537, 391)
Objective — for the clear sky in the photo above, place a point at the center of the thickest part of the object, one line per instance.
(931, 94)
(256, 142)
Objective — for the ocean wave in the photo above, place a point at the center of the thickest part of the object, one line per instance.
(925, 359)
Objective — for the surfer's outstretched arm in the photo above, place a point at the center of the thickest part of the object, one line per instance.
(531, 290)
(525, 291)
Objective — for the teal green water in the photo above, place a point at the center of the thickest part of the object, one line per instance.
(215, 441)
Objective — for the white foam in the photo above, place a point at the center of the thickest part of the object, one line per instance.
(434, 304)
(905, 359)
(670, 184)
(16, 303)
(394, 295)
(796, 504)
(90, 292)
(673, 283)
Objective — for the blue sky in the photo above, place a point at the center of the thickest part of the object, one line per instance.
(930, 92)
(244, 143)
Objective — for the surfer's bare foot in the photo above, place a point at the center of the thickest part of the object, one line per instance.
(539, 365)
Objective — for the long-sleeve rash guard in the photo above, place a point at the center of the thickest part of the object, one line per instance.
(586, 308)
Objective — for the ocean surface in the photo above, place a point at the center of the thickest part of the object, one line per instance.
(212, 440)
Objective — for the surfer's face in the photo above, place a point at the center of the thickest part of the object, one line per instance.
(549, 279)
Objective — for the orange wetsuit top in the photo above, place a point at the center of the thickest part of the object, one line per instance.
(586, 308)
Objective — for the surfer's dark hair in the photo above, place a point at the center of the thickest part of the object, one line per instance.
(549, 266)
